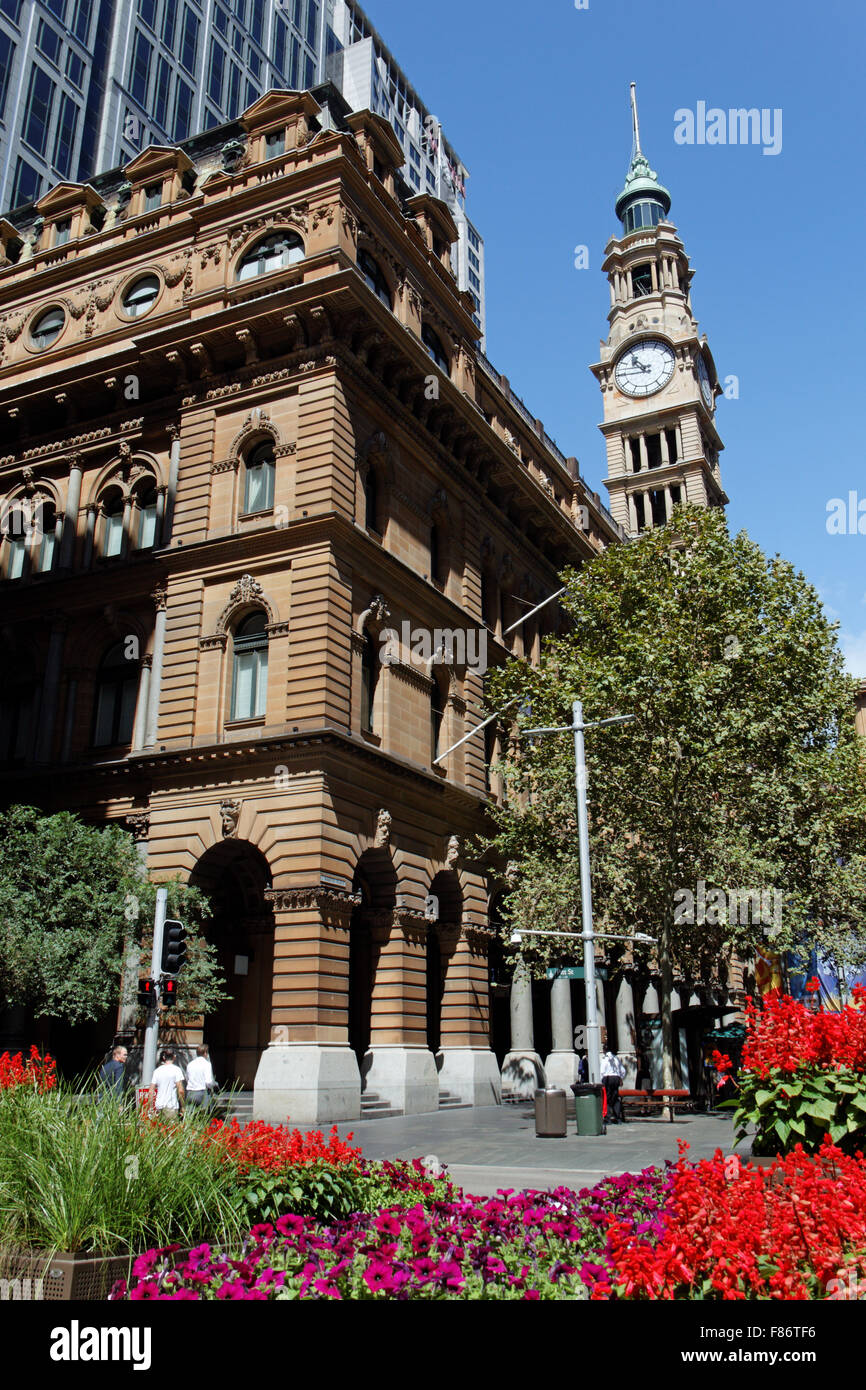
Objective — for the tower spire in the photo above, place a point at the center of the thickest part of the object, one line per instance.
(635, 124)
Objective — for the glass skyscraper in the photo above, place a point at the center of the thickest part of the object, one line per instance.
(87, 84)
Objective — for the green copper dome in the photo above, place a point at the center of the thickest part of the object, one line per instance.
(641, 184)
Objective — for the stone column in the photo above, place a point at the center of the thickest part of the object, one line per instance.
(561, 1067)
(90, 534)
(173, 474)
(152, 721)
(626, 1028)
(138, 731)
(644, 456)
(126, 536)
(522, 1071)
(399, 1066)
(50, 690)
(70, 517)
(308, 1074)
(69, 715)
(669, 506)
(467, 1067)
(138, 822)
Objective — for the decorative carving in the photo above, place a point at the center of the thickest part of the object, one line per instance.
(383, 830)
(335, 905)
(159, 597)
(216, 642)
(324, 214)
(211, 253)
(296, 216)
(230, 465)
(452, 853)
(477, 939)
(413, 925)
(377, 614)
(230, 814)
(139, 824)
(176, 269)
(246, 591)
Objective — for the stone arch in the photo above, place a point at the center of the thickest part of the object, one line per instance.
(258, 428)
(124, 471)
(442, 936)
(375, 880)
(235, 875)
(246, 596)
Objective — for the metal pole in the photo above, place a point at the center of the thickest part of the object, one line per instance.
(593, 1040)
(151, 1035)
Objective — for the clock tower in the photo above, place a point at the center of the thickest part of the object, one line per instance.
(656, 373)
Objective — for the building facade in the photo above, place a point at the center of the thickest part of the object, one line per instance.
(85, 85)
(267, 517)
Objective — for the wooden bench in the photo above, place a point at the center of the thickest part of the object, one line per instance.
(645, 1102)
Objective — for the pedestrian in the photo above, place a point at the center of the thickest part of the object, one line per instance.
(166, 1086)
(199, 1081)
(612, 1077)
(583, 1068)
(112, 1073)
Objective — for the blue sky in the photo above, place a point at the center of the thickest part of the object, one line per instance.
(534, 97)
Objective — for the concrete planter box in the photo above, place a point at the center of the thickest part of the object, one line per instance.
(32, 1276)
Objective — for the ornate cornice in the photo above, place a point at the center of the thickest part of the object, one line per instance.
(216, 642)
(138, 823)
(410, 675)
(332, 904)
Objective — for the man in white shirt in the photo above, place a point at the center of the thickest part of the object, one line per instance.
(612, 1076)
(199, 1079)
(166, 1086)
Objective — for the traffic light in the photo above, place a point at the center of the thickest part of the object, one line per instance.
(169, 993)
(173, 947)
(147, 993)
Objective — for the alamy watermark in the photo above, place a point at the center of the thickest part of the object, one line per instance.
(846, 517)
(737, 126)
(439, 646)
(720, 907)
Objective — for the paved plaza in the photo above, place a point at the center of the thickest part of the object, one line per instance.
(490, 1147)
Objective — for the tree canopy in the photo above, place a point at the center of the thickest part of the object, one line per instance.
(741, 771)
(72, 899)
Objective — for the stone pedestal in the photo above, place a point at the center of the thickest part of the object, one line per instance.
(467, 1067)
(626, 1030)
(472, 1073)
(522, 1070)
(405, 1077)
(307, 1084)
(399, 1066)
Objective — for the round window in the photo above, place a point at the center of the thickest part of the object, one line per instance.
(140, 296)
(47, 328)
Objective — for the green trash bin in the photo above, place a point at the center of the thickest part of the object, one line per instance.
(587, 1108)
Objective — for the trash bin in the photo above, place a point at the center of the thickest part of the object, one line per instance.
(587, 1108)
(551, 1113)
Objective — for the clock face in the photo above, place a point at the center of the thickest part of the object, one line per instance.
(645, 368)
(704, 379)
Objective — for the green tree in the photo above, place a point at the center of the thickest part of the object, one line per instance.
(742, 768)
(73, 905)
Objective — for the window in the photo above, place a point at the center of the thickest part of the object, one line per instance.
(139, 72)
(74, 70)
(81, 21)
(434, 346)
(169, 23)
(17, 530)
(436, 713)
(112, 524)
(141, 296)
(309, 72)
(275, 143)
(415, 177)
(671, 436)
(238, 42)
(259, 482)
(61, 231)
(58, 7)
(234, 91)
(147, 12)
(146, 498)
(253, 95)
(257, 20)
(414, 156)
(374, 277)
(641, 281)
(281, 34)
(474, 261)
(255, 62)
(189, 40)
(116, 696)
(369, 681)
(67, 124)
(12, 8)
(474, 239)
(371, 500)
(474, 281)
(275, 252)
(221, 20)
(48, 527)
(47, 328)
(250, 668)
(183, 99)
(241, 10)
(152, 197)
(37, 115)
(160, 98)
(27, 183)
(7, 53)
(48, 41)
(295, 63)
(312, 23)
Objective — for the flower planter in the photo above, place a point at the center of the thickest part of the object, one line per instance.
(32, 1275)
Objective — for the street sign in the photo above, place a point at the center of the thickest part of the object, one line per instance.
(573, 972)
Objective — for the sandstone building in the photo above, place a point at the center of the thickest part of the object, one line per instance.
(251, 450)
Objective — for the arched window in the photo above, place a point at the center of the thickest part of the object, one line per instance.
(250, 668)
(141, 295)
(47, 328)
(433, 344)
(373, 277)
(116, 695)
(47, 534)
(112, 523)
(146, 498)
(437, 711)
(259, 480)
(371, 500)
(17, 530)
(369, 681)
(274, 252)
